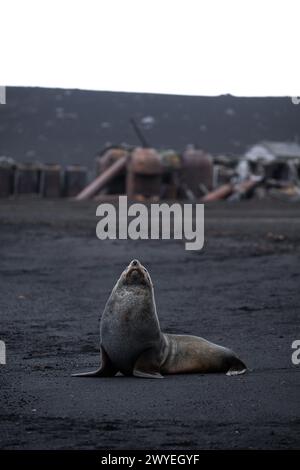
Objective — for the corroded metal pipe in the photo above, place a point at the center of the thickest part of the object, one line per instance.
(220, 193)
(101, 180)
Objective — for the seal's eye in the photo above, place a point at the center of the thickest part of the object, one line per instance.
(145, 270)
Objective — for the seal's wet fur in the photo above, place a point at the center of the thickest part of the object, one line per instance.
(132, 342)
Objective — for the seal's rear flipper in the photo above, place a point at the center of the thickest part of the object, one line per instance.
(95, 373)
(147, 366)
(105, 370)
(147, 375)
(237, 367)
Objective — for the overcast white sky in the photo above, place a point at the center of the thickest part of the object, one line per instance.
(243, 47)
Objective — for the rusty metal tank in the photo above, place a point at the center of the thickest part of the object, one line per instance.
(7, 168)
(171, 163)
(197, 171)
(144, 174)
(27, 178)
(50, 180)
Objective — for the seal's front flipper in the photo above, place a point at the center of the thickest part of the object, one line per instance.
(147, 366)
(106, 368)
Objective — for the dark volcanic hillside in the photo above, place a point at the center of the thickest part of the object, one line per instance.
(70, 126)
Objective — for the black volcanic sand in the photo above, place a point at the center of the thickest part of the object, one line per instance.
(241, 290)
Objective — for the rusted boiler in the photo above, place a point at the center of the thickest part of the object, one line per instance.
(144, 174)
(197, 172)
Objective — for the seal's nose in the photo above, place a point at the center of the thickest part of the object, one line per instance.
(134, 262)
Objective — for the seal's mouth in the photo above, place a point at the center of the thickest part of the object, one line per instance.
(133, 272)
(136, 273)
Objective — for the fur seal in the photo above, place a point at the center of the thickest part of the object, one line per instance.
(133, 344)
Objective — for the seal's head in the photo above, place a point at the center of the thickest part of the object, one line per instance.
(136, 275)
